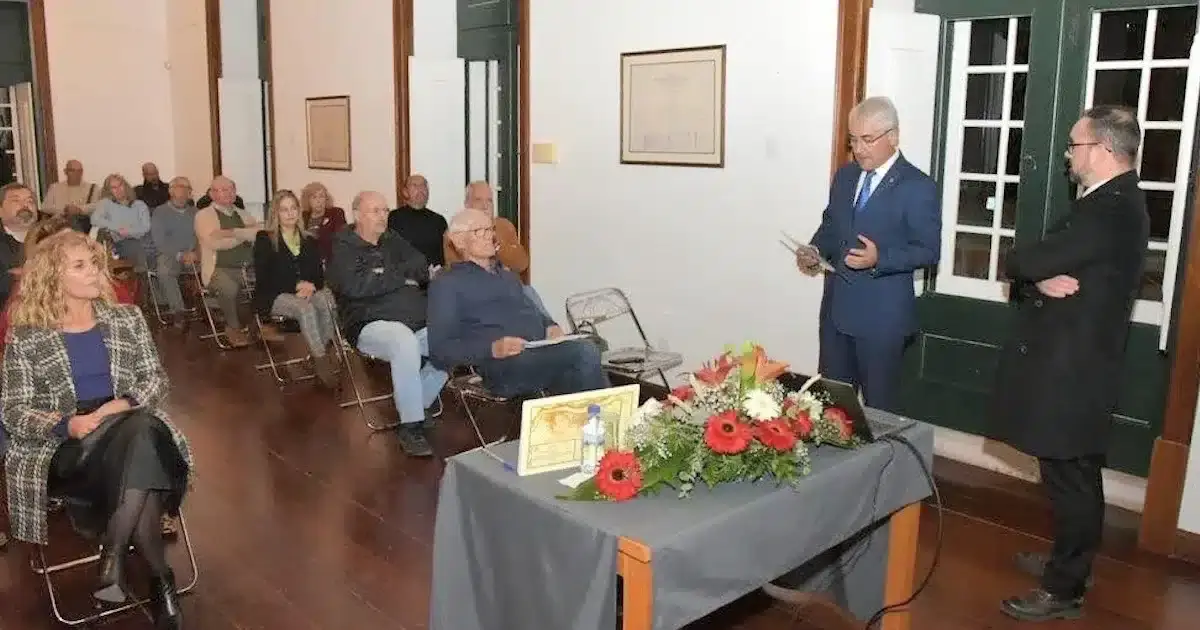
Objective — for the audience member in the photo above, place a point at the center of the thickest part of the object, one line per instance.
(224, 233)
(508, 243)
(320, 217)
(289, 282)
(74, 197)
(205, 201)
(126, 219)
(114, 452)
(376, 278)
(480, 315)
(17, 215)
(153, 191)
(420, 226)
(173, 230)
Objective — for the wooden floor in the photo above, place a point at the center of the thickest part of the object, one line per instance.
(301, 520)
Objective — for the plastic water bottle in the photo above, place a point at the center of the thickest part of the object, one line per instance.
(593, 441)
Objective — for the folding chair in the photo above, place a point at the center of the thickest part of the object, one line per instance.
(469, 388)
(208, 304)
(41, 567)
(284, 325)
(586, 311)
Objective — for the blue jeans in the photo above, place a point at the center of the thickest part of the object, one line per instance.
(415, 387)
(565, 368)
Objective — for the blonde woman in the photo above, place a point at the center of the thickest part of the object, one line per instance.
(320, 217)
(290, 282)
(126, 219)
(82, 402)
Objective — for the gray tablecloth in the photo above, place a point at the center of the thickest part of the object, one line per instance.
(508, 555)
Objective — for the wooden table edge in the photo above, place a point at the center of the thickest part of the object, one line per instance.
(635, 566)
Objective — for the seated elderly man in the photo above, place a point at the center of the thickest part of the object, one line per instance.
(377, 279)
(480, 315)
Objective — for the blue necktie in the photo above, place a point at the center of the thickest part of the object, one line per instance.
(865, 192)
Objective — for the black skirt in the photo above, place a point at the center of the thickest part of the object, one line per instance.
(133, 450)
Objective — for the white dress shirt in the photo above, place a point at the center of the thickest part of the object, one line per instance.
(880, 173)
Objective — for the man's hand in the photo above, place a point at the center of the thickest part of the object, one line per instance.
(1059, 286)
(865, 257)
(72, 209)
(505, 347)
(80, 426)
(807, 261)
(554, 331)
(305, 289)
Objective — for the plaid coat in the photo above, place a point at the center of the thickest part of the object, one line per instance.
(38, 391)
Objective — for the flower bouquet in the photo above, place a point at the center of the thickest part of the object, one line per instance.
(733, 421)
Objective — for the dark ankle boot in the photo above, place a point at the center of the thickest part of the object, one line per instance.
(164, 602)
(112, 566)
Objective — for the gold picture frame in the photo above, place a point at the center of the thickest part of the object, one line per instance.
(328, 132)
(673, 107)
(552, 427)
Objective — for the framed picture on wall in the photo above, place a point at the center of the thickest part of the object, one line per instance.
(328, 124)
(673, 107)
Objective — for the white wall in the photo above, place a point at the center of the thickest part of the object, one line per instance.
(1189, 509)
(695, 248)
(357, 59)
(435, 29)
(437, 140)
(110, 80)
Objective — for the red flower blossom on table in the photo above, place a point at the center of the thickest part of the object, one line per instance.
(776, 434)
(841, 420)
(716, 372)
(764, 370)
(684, 393)
(619, 476)
(726, 435)
(802, 425)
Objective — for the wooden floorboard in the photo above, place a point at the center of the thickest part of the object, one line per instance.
(302, 519)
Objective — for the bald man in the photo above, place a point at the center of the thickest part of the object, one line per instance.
(225, 234)
(73, 196)
(378, 281)
(482, 316)
(419, 225)
(153, 190)
(509, 251)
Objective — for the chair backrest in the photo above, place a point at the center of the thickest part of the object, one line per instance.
(588, 310)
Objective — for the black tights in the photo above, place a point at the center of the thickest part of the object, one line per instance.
(138, 520)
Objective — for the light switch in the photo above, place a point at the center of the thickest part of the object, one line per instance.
(544, 153)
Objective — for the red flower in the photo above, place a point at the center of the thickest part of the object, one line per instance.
(838, 417)
(619, 476)
(802, 425)
(776, 434)
(726, 435)
(684, 393)
(716, 372)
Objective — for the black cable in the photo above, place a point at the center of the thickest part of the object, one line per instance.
(937, 550)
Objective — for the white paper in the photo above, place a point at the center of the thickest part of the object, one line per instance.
(551, 342)
(572, 481)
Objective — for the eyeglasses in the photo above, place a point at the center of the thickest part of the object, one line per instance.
(476, 231)
(867, 141)
(1071, 145)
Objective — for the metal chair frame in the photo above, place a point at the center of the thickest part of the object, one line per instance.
(592, 308)
(44, 569)
(248, 287)
(469, 387)
(207, 294)
(156, 302)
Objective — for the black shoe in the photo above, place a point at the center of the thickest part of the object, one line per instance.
(164, 602)
(1039, 605)
(413, 442)
(112, 563)
(1034, 564)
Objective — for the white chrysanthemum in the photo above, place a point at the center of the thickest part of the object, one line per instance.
(760, 405)
(650, 409)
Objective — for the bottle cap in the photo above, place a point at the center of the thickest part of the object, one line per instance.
(593, 409)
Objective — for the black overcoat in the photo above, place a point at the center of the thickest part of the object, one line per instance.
(1060, 372)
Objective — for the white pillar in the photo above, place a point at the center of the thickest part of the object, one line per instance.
(242, 105)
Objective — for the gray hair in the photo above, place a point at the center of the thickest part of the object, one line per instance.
(1116, 128)
(358, 200)
(878, 108)
(466, 219)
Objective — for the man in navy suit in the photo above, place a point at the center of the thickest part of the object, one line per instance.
(882, 223)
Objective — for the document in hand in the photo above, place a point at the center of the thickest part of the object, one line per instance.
(550, 342)
(796, 247)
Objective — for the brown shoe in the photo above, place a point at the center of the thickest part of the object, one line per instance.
(326, 370)
(236, 338)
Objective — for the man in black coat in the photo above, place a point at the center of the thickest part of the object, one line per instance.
(1060, 372)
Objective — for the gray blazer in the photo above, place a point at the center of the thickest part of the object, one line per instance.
(38, 391)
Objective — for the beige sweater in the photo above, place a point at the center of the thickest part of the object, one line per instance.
(209, 243)
(60, 195)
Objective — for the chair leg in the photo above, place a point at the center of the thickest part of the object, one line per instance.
(663, 376)
(46, 571)
(463, 401)
(216, 336)
(152, 291)
(360, 401)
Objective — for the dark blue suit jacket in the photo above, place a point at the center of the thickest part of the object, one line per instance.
(903, 217)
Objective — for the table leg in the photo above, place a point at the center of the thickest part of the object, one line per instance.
(636, 570)
(904, 526)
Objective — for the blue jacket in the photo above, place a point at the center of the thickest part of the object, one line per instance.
(903, 217)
